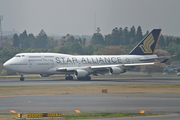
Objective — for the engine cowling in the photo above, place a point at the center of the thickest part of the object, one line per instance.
(80, 73)
(116, 70)
(44, 75)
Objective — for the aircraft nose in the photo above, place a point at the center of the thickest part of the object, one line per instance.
(6, 64)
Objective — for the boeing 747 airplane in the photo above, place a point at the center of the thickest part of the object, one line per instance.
(82, 66)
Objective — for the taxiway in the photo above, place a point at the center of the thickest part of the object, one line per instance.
(32, 82)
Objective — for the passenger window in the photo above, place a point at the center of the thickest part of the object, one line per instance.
(17, 56)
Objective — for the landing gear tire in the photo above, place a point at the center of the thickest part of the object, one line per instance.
(69, 78)
(21, 78)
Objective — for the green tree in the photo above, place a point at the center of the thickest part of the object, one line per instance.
(168, 41)
(132, 34)
(178, 40)
(84, 41)
(88, 50)
(51, 43)
(32, 40)
(139, 35)
(69, 38)
(108, 39)
(71, 48)
(161, 41)
(126, 36)
(97, 47)
(121, 32)
(110, 50)
(79, 41)
(41, 40)
(97, 39)
(23, 41)
(76, 48)
(115, 37)
(15, 40)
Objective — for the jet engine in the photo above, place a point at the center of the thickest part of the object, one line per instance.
(116, 70)
(80, 73)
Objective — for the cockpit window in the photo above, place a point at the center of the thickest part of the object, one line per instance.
(17, 56)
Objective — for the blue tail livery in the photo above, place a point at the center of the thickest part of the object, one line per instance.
(148, 44)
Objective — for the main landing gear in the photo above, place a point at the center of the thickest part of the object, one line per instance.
(87, 77)
(69, 77)
(21, 78)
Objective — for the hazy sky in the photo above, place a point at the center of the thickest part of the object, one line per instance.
(77, 16)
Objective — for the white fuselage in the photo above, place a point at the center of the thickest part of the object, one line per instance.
(48, 63)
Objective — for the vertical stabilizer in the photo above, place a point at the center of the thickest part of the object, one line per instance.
(148, 44)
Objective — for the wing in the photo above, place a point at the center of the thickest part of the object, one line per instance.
(101, 69)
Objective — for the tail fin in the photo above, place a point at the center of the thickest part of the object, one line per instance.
(148, 44)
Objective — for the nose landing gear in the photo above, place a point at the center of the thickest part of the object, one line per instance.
(21, 78)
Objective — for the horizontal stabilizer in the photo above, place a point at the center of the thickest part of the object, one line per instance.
(154, 58)
(165, 61)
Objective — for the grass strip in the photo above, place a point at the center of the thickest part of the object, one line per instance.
(90, 89)
(72, 116)
(101, 115)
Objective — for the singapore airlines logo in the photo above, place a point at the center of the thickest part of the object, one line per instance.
(146, 47)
